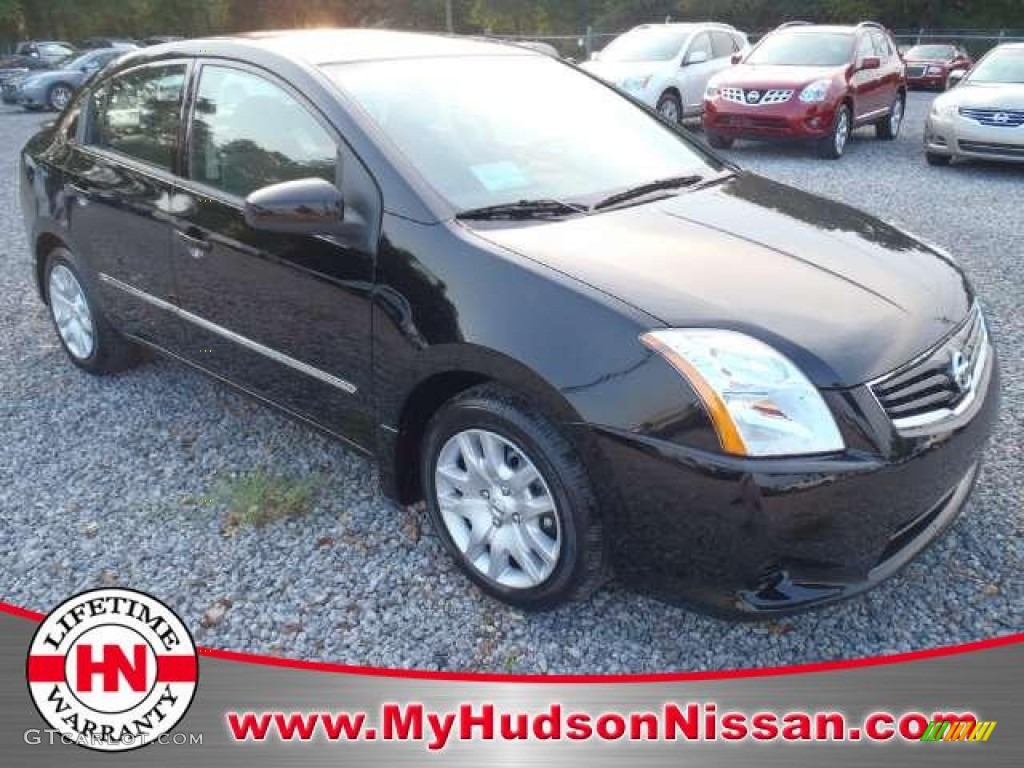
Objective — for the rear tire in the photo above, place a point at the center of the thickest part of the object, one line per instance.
(717, 140)
(833, 146)
(937, 160)
(88, 338)
(477, 450)
(888, 128)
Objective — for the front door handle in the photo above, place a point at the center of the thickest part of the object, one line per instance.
(195, 243)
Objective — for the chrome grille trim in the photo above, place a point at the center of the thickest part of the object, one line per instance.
(994, 118)
(924, 393)
(771, 96)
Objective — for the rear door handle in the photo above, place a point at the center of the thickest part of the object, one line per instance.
(195, 243)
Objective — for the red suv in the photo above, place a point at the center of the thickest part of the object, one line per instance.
(812, 83)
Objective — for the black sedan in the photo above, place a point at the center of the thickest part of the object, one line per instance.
(584, 340)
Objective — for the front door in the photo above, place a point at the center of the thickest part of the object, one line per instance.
(869, 96)
(285, 316)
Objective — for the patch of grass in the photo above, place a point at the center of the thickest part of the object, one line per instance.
(260, 497)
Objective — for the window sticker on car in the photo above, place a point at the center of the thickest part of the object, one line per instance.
(501, 176)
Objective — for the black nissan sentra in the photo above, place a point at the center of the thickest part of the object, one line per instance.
(589, 344)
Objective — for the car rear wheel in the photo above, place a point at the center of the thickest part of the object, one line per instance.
(717, 140)
(86, 335)
(834, 145)
(670, 107)
(888, 128)
(511, 500)
(937, 160)
(59, 96)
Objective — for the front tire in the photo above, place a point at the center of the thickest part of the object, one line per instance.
(59, 96)
(717, 140)
(88, 338)
(833, 146)
(937, 160)
(512, 501)
(670, 107)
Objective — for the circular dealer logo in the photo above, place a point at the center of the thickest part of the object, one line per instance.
(112, 669)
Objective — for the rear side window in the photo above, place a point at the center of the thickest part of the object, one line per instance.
(248, 133)
(138, 114)
(724, 44)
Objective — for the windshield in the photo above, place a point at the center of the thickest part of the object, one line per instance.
(935, 52)
(803, 49)
(493, 130)
(77, 62)
(1000, 67)
(646, 44)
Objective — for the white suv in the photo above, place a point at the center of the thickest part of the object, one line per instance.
(667, 66)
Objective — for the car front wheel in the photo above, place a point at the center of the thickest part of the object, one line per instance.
(717, 140)
(670, 107)
(936, 159)
(834, 145)
(511, 500)
(59, 96)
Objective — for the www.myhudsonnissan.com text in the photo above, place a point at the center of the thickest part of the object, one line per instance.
(674, 722)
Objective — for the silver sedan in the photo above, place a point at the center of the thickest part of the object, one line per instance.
(983, 116)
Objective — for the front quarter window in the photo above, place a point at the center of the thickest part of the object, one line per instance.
(516, 128)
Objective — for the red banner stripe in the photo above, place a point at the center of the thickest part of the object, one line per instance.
(176, 669)
(45, 669)
(170, 669)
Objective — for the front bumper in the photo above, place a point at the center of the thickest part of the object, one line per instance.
(956, 136)
(928, 81)
(751, 537)
(790, 120)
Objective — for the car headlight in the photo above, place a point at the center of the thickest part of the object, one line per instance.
(636, 83)
(759, 402)
(816, 92)
(935, 70)
(711, 92)
(943, 109)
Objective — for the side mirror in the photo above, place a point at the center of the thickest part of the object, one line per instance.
(303, 207)
(870, 62)
(956, 77)
(736, 58)
(696, 57)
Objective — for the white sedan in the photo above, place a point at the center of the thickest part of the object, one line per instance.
(983, 116)
(667, 66)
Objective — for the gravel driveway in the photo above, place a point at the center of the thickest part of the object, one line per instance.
(110, 481)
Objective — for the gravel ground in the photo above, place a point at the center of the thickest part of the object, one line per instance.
(110, 481)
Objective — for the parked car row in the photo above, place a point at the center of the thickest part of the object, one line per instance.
(53, 88)
(818, 83)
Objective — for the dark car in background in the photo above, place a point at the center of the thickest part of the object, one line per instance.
(54, 88)
(930, 65)
(584, 340)
(810, 83)
(49, 51)
(92, 43)
(19, 65)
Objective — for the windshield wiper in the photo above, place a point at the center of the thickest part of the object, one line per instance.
(674, 182)
(523, 209)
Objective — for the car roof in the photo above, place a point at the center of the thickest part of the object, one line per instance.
(844, 29)
(321, 47)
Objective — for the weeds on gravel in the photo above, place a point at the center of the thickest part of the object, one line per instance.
(260, 497)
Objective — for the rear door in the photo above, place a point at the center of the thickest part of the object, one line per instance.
(120, 189)
(287, 317)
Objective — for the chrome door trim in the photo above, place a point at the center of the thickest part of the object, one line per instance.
(248, 343)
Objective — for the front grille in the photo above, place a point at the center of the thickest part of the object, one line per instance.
(988, 148)
(916, 70)
(936, 385)
(756, 98)
(995, 118)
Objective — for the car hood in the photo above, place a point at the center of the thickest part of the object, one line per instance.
(845, 295)
(765, 76)
(984, 96)
(617, 71)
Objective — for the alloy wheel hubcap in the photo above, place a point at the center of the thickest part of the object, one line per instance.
(61, 97)
(668, 110)
(71, 313)
(842, 132)
(498, 509)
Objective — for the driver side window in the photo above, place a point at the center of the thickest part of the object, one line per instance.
(249, 133)
(700, 44)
